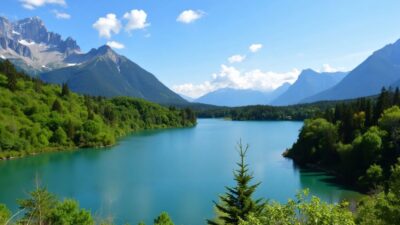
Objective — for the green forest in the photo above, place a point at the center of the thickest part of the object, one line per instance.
(265, 112)
(37, 117)
(359, 142)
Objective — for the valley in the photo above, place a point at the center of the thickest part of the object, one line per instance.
(199, 112)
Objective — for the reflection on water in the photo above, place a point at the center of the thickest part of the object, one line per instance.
(180, 171)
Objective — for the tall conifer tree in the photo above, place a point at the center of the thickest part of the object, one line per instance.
(237, 203)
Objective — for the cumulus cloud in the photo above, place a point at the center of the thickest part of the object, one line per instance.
(189, 16)
(231, 77)
(116, 45)
(107, 25)
(33, 4)
(136, 20)
(236, 58)
(61, 15)
(255, 47)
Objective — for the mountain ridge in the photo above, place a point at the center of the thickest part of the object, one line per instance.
(381, 69)
(240, 97)
(100, 72)
(109, 74)
(308, 83)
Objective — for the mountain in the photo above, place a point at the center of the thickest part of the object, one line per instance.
(237, 97)
(31, 47)
(100, 72)
(380, 69)
(108, 74)
(308, 84)
(187, 98)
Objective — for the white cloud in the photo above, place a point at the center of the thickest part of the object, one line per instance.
(189, 16)
(136, 20)
(236, 58)
(107, 25)
(116, 45)
(255, 47)
(61, 15)
(32, 4)
(231, 77)
(328, 68)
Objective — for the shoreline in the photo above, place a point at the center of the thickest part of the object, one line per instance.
(337, 178)
(24, 153)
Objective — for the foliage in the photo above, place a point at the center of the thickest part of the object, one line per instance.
(319, 138)
(302, 211)
(38, 207)
(382, 208)
(358, 141)
(238, 203)
(163, 219)
(265, 112)
(37, 117)
(4, 214)
(68, 213)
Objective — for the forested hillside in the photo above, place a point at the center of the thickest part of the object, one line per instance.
(37, 117)
(266, 112)
(358, 141)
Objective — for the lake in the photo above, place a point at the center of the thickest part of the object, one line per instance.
(180, 171)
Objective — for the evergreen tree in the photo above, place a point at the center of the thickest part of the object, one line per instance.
(38, 207)
(238, 203)
(38, 84)
(5, 214)
(163, 219)
(384, 102)
(65, 89)
(57, 106)
(396, 97)
(368, 114)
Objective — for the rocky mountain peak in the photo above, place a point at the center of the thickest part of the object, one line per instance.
(33, 29)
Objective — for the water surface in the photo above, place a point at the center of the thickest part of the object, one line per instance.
(180, 171)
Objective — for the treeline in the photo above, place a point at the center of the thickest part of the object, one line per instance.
(359, 141)
(37, 117)
(265, 112)
(236, 207)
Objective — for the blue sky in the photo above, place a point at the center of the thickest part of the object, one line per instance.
(192, 57)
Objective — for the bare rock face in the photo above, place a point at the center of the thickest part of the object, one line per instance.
(33, 29)
(30, 43)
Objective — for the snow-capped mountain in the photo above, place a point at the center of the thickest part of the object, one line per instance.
(29, 45)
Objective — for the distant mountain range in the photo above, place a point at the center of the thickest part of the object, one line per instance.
(187, 98)
(238, 97)
(381, 69)
(308, 84)
(100, 72)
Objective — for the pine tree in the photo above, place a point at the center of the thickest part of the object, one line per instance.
(368, 114)
(384, 102)
(38, 207)
(12, 82)
(163, 219)
(57, 106)
(396, 97)
(238, 203)
(11, 74)
(65, 90)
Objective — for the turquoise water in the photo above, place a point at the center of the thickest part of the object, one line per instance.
(180, 171)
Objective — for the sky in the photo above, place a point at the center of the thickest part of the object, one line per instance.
(195, 47)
